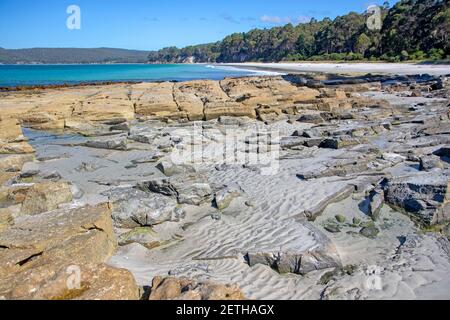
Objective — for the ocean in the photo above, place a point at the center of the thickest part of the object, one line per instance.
(30, 75)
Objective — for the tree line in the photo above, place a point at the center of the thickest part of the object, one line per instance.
(411, 30)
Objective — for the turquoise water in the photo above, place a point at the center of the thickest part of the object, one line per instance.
(24, 75)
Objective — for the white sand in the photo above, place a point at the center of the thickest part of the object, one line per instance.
(374, 68)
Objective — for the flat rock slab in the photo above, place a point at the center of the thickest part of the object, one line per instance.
(424, 195)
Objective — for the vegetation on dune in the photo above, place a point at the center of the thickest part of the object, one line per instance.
(411, 30)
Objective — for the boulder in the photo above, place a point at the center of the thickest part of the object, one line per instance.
(226, 195)
(376, 200)
(311, 118)
(12, 140)
(46, 196)
(339, 143)
(22, 147)
(429, 163)
(133, 208)
(39, 251)
(168, 168)
(115, 142)
(192, 189)
(370, 232)
(170, 288)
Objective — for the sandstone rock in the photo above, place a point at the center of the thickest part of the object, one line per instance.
(5, 218)
(14, 194)
(43, 197)
(268, 113)
(271, 91)
(12, 140)
(10, 129)
(7, 177)
(233, 121)
(16, 148)
(117, 142)
(102, 282)
(134, 208)
(340, 169)
(57, 282)
(425, 196)
(188, 101)
(85, 127)
(339, 194)
(171, 288)
(333, 93)
(110, 103)
(170, 169)
(37, 250)
(154, 99)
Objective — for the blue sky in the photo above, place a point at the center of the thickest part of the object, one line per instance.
(153, 24)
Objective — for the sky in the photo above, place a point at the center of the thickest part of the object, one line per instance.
(153, 24)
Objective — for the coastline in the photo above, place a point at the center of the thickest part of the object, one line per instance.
(345, 68)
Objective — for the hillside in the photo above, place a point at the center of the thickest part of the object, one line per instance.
(411, 29)
(72, 55)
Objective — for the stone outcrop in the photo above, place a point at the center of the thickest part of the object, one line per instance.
(171, 288)
(132, 208)
(297, 259)
(47, 196)
(82, 109)
(41, 254)
(424, 196)
(192, 189)
(12, 140)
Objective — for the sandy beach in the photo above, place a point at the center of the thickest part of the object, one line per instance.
(346, 68)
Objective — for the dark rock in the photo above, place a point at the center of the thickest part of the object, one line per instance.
(370, 232)
(191, 189)
(333, 228)
(429, 163)
(424, 195)
(376, 200)
(339, 143)
(311, 118)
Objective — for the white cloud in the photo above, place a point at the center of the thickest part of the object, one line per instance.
(284, 20)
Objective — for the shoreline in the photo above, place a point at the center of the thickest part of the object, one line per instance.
(345, 68)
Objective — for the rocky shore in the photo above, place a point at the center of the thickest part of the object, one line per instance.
(271, 187)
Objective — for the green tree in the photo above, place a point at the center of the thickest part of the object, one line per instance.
(362, 44)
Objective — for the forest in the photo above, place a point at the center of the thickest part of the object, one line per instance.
(410, 30)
